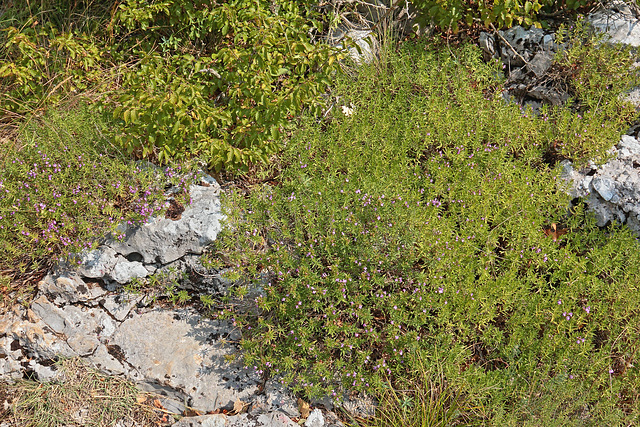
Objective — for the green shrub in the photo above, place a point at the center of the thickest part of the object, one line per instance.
(185, 79)
(418, 225)
(596, 74)
(40, 66)
(498, 13)
(50, 51)
(224, 82)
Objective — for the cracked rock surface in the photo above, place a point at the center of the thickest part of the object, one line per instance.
(159, 242)
(619, 21)
(611, 190)
(173, 351)
(189, 360)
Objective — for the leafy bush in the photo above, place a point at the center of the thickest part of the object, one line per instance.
(185, 79)
(41, 65)
(225, 80)
(499, 13)
(421, 223)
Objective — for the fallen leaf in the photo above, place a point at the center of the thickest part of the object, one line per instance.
(304, 409)
(238, 406)
(157, 404)
(141, 398)
(555, 231)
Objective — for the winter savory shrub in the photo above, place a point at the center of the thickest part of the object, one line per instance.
(424, 225)
(62, 187)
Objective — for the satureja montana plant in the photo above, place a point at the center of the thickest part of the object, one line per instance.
(62, 188)
(590, 70)
(416, 227)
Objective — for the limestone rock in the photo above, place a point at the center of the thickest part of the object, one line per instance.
(37, 341)
(97, 263)
(366, 42)
(119, 306)
(488, 44)
(163, 240)
(106, 362)
(68, 287)
(611, 190)
(619, 23)
(629, 148)
(362, 406)
(151, 247)
(199, 280)
(180, 350)
(124, 270)
(275, 419)
(524, 42)
(217, 420)
(605, 187)
(275, 397)
(83, 328)
(44, 373)
(527, 55)
(633, 96)
(540, 63)
(315, 419)
(10, 354)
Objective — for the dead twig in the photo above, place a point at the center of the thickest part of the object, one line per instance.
(509, 44)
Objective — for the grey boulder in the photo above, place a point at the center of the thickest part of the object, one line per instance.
(611, 190)
(163, 240)
(618, 22)
(158, 243)
(366, 45)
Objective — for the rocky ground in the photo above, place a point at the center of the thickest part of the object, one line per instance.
(189, 360)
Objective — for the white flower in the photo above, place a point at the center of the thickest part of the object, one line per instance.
(347, 111)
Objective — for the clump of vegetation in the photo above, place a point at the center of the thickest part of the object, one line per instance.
(224, 81)
(184, 79)
(418, 219)
(165, 284)
(62, 188)
(78, 396)
(453, 14)
(590, 70)
(421, 220)
(50, 51)
(425, 400)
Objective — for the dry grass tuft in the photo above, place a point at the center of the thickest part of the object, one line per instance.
(79, 396)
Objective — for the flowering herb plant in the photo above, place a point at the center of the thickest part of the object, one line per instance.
(416, 228)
